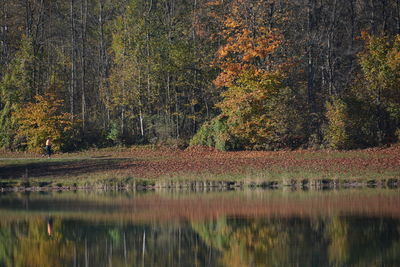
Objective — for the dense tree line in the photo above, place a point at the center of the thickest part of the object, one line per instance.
(234, 74)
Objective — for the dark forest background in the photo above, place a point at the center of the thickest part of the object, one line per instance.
(233, 74)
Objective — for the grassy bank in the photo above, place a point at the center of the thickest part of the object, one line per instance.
(148, 167)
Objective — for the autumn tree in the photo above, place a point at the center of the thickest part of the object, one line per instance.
(337, 133)
(380, 63)
(368, 114)
(256, 100)
(42, 119)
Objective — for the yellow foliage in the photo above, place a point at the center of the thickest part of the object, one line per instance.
(36, 248)
(214, 3)
(253, 108)
(337, 115)
(42, 120)
(337, 232)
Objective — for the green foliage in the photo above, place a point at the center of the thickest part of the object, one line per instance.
(215, 234)
(368, 115)
(7, 128)
(114, 134)
(17, 83)
(380, 63)
(156, 77)
(15, 90)
(351, 123)
(44, 119)
(215, 134)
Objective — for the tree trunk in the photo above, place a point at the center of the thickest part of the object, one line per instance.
(373, 17)
(28, 18)
(83, 60)
(141, 122)
(310, 56)
(329, 54)
(384, 16)
(72, 82)
(3, 31)
(398, 16)
(102, 69)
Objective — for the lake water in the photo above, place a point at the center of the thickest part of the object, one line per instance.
(347, 227)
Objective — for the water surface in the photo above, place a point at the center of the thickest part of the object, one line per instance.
(234, 228)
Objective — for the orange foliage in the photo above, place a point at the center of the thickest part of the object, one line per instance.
(214, 3)
(247, 48)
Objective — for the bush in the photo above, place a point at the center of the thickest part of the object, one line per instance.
(115, 136)
(174, 143)
(352, 123)
(337, 133)
(114, 133)
(215, 134)
(38, 121)
(263, 112)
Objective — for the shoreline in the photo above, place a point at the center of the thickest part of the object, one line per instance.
(145, 185)
(143, 168)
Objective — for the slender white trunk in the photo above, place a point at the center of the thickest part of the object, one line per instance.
(72, 85)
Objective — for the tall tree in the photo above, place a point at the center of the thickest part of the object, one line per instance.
(16, 89)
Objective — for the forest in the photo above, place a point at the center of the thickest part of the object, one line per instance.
(230, 74)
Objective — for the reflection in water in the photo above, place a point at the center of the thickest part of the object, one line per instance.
(97, 244)
(57, 236)
(49, 226)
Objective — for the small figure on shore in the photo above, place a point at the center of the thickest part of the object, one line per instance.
(48, 147)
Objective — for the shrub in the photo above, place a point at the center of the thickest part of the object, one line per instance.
(352, 123)
(262, 112)
(215, 134)
(114, 133)
(337, 133)
(38, 121)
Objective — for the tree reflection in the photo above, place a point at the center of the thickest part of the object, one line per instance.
(28, 244)
(333, 241)
(336, 232)
(83, 243)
